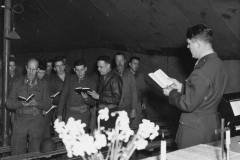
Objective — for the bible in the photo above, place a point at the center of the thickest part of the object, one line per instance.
(53, 106)
(82, 89)
(26, 99)
(160, 78)
(55, 95)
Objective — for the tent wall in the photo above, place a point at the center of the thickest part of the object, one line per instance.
(177, 67)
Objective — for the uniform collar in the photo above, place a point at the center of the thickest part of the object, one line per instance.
(27, 81)
(205, 58)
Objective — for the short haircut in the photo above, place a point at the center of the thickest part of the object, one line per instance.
(106, 59)
(200, 32)
(57, 59)
(79, 62)
(134, 57)
(48, 60)
(42, 65)
(64, 57)
(11, 59)
(120, 54)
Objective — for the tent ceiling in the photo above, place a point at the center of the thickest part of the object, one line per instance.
(143, 26)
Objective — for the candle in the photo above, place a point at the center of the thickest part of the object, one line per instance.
(228, 138)
(163, 149)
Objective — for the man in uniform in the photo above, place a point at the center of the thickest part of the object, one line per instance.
(109, 90)
(199, 97)
(128, 101)
(141, 89)
(29, 122)
(77, 106)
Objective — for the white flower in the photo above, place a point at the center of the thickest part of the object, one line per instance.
(141, 144)
(103, 114)
(147, 128)
(100, 140)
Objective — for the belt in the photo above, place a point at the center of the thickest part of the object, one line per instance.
(81, 109)
(109, 106)
(29, 111)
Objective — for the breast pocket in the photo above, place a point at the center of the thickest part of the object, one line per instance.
(38, 94)
(22, 92)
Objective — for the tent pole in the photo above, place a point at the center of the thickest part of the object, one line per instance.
(6, 52)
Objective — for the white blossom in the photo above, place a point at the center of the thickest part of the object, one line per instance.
(141, 144)
(103, 114)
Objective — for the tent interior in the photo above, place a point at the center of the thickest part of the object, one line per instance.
(154, 30)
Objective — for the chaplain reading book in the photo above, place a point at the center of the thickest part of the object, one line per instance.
(201, 93)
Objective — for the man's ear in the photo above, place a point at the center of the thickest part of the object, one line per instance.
(74, 70)
(85, 68)
(26, 67)
(55, 69)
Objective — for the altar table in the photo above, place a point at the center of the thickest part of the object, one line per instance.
(210, 151)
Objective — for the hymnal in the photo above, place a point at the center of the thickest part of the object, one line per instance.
(53, 106)
(81, 89)
(55, 95)
(160, 78)
(26, 99)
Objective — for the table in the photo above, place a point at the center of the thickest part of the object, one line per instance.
(210, 151)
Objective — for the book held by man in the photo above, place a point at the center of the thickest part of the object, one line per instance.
(160, 78)
(26, 99)
(53, 106)
(55, 95)
(82, 89)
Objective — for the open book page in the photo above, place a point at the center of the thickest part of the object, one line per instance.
(235, 107)
(56, 94)
(53, 106)
(160, 78)
(26, 99)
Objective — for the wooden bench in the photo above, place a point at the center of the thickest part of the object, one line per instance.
(7, 149)
(62, 150)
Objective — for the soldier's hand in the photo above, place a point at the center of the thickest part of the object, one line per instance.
(33, 102)
(167, 90)
(84, 95)
(94, 94)
(143, 106)
(133, 113)
(25, 104)
(59, 118)
(176, 85)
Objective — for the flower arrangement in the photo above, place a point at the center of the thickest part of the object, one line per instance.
(120, 141)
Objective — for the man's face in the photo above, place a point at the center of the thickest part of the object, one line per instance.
(193, 47)
(103, 67)
(59, 67)
(49, 67)
(80, 71)
(134, 65)
(120, 61)
(41, 73)
(12, 67)
(32, 69)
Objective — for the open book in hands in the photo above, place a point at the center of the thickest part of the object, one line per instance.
(31, 97)
(53, 106)
(160, 78)
(82, 89)
(55, 95)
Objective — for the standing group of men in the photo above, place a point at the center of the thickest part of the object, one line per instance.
(117, 90)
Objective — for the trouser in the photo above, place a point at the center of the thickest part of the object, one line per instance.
(27, 126)
(110, 123)
(48, 119)
(138, 119)
(84, 117)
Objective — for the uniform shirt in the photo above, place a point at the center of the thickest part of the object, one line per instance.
(56, 85)
(20, 87)
(141, 87)
(129, 91)
(70, 98)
